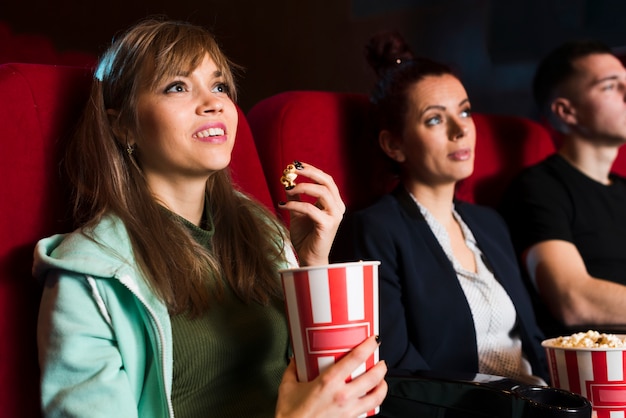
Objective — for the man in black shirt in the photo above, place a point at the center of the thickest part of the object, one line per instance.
(568, 213)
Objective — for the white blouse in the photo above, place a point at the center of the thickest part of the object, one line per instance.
(495, 319)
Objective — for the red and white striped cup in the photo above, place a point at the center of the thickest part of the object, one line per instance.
(331, 309)
(598, 374)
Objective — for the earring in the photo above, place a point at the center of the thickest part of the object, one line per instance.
(129, 149)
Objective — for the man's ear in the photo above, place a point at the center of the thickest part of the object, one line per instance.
(564, 111)
(391, 145)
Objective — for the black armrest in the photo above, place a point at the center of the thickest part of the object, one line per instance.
(448, 395)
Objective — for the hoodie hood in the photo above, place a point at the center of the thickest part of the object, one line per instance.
(104, 251)
(95, 268)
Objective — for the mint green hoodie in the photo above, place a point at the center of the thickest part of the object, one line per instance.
(94, 301)
(105, 344)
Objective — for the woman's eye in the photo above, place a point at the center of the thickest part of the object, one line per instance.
(435, 120)
(175, 88)
(466, 113)
(220, 88)
(609, 86)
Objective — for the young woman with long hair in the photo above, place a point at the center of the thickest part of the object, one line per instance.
(166, 300)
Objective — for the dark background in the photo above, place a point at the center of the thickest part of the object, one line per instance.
(306, 44)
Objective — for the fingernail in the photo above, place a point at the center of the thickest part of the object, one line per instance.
(289, 187)
(378, 340)
(281, 203)
(298, 165)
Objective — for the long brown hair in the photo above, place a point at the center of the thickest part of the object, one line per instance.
(247, 245)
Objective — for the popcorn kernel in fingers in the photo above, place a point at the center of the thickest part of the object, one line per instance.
(288, 178)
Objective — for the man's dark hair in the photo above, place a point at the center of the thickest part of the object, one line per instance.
(557, 67)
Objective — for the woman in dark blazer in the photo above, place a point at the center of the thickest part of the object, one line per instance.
(451, 295)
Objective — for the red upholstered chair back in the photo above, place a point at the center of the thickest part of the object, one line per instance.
(39, 106)
(329, 130)
(619, 165)
(335, 132)
(504, 146)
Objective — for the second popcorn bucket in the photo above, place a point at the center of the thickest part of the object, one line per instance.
(598, 374)
(331, 309)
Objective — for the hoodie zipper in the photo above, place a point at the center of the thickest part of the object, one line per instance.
(131, 286)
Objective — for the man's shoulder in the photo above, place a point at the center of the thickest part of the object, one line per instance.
(548, 171)
(538, 185)
(545, 167)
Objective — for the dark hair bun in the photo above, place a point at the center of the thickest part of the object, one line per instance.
(385, 50)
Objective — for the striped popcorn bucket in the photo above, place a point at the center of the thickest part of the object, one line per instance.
(598, 374)
(331, 309)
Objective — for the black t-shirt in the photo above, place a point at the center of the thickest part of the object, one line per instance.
(554, 200)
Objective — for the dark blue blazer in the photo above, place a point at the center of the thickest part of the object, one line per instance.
(425, 319)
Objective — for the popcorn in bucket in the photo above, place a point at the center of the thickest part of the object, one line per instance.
(592, 365)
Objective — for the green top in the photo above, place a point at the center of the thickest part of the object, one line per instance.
(229, 362)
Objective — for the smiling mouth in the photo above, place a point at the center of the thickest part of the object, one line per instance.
(208, 133)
